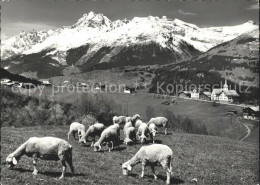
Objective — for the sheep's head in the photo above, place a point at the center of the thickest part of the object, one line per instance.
(126, 168)
(97, 147)
(83, 140)
(135, 117)
(11, 161)
(142, 138)
(153, 132)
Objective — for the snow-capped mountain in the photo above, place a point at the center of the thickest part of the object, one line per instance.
(95, 41)
(236, 60)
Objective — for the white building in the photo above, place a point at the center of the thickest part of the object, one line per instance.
(224, 94)
(194, 94)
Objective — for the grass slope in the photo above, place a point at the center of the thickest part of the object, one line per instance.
(200, 112)
(211, 160)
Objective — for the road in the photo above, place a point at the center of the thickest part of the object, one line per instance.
(248, 129)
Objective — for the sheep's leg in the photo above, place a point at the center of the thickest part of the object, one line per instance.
(112, 145)
(167, 167)
(69, 135)
(166, 131)
(79, 135)
(69, 161)
(35, 171)
(63, 169)
(155, 177)
(92, 143)
(142, 174)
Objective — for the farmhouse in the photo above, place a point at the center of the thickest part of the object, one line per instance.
(251, 113)
(46, 82)
(205, 95)
(81, 84)
(224, 94)
(194, 94)
(28, 85)
(185, 94)
(4, 81)
(129, 89)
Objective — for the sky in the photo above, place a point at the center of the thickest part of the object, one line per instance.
(28, 15)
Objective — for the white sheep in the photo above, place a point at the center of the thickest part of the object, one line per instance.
(47, 148)
(76, 127)
(110, 135)
(143, 132)
(119, 120)
(151, 155)
(160, 122)
(153, 130)
(136, 119)
(129, 132)
(93, 131)
(128, 119)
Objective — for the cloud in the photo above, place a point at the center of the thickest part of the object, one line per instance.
(11, 29)
(180, 11)
(253, 7)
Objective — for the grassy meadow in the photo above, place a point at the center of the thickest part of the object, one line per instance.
(203, 113)
(211, 160)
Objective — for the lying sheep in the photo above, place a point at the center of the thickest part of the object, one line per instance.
(119, 120)
(129, 132)
(111, 135)
(93, 131)
(76, 127)
(151, 155)
(152, 130)
(143, 132)
(47, 148)
(160, 122)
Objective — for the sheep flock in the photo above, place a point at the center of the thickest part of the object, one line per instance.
(135, 130)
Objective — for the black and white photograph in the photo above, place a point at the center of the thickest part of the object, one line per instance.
(114, 92)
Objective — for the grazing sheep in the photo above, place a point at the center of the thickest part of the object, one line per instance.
(128, 119)
(152, 129)
(129, 132)
(151, 155)
(136, 119)
(110, 134)
(160, 122)
(119, 120)
(76, 127)
(47, 148)
(93, 131)
(143, 132)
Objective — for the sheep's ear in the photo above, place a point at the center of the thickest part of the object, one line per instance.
(14, 161)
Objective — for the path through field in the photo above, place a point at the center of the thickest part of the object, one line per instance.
(248, 130)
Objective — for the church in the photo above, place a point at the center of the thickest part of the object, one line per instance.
(224, 94)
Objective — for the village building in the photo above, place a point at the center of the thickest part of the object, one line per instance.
(28, 85)
(194, 94)
(224, 94)
(206, 95)
(128, 89)
(4, 81)
(251, 113)
(81, 84)
(46, 82)
(185, 94)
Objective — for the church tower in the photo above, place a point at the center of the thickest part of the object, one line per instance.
(225, 86)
